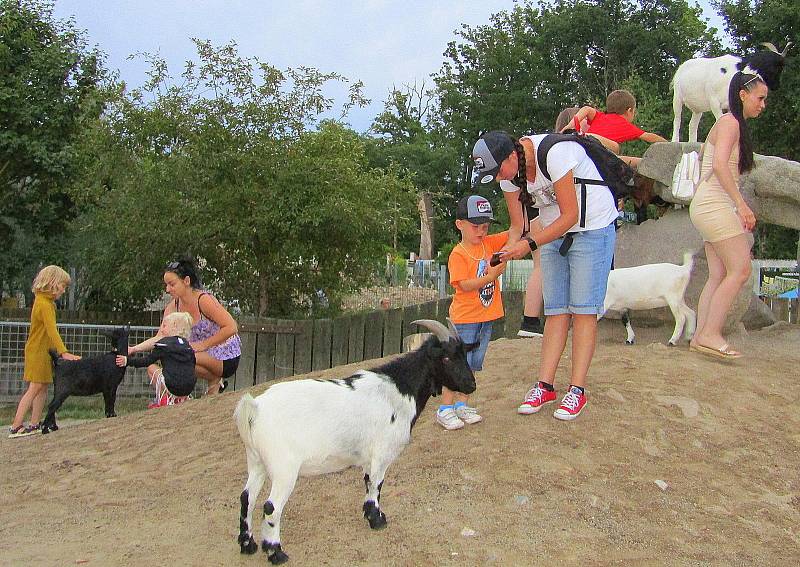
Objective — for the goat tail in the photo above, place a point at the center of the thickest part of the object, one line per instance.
(244, 415)
(688, 260)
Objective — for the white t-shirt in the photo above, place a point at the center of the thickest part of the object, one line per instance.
(601, 210)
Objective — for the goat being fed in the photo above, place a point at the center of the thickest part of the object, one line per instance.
(88, 376)
(650, 286)
(313, 427)
(701, 84)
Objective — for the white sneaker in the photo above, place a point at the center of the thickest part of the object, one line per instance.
(448, 419)
(468, 415)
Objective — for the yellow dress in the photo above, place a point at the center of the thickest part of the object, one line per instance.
(42, 336)
(712, 211)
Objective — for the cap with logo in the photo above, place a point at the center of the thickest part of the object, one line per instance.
(475, 209)
(489, 152)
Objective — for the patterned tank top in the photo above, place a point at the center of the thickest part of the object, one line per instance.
(206, 328)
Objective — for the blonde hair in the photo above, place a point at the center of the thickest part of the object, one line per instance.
(619, 101)
(49, 278)
(180, 323)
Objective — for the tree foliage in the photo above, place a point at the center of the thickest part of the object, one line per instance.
(49, 89)
(233, 165)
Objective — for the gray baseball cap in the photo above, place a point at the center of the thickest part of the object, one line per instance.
(488, 153)
(475, 209)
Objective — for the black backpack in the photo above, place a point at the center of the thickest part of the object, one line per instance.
(616, 174)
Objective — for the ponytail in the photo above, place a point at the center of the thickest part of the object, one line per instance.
(742, 82)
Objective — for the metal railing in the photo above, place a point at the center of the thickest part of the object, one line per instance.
(81, 339)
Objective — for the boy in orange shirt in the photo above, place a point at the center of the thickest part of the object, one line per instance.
(477, 300)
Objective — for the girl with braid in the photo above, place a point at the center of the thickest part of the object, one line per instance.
(576, 241)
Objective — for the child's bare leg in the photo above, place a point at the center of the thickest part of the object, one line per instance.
(38, 405)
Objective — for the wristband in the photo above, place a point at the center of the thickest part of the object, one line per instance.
(532, 243)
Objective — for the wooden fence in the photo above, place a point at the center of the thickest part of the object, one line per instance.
(277, 348)
(783, 309)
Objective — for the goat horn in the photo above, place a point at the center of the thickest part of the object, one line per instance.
(441, 332)
(785, 49)
(770, 46)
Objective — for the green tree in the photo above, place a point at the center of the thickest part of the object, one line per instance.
(49, 88)
(517, 72)
(407, 137)
(233, 165)
(776, 21)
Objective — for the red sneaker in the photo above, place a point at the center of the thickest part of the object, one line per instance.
(571, 406)
(160, 403)
(536, 398)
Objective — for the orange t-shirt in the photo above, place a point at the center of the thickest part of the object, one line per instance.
(480, 305)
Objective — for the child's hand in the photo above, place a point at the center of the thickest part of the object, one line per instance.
(495, 271)
(122, 360)
(69, 356)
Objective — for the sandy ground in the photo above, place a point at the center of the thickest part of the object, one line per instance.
(162, 487)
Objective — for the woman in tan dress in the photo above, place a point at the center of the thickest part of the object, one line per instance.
(721, 215)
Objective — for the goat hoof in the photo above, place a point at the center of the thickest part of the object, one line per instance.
(248, 546)
(112, 414)
(670, 343)
(278, 558)
(377, 522)
(627, 342)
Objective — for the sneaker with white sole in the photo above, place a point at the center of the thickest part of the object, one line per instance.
(468, 415)
(572, 405)
(448, 419)
(535, 329)
(536, 398)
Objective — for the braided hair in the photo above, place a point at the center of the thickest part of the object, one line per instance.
(521, 179)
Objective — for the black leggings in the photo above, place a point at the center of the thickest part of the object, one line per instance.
(229, 366)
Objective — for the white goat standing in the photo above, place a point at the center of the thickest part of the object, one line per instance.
(650, 286)
(313, 427)
(701, 84)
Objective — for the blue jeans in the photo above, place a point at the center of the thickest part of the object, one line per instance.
(475, 333)
(576, 283)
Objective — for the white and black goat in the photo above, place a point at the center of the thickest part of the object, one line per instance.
(650, 286)
(701, 84)
(88, 376)
(315, 426)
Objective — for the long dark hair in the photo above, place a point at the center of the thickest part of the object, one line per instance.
(742, 81)
(185, 266)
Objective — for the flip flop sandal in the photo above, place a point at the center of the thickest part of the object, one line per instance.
(724, 352)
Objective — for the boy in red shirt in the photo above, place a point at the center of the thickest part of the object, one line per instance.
(477, 300)
(616, 123)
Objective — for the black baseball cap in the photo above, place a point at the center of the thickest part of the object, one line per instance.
(475, 209)
(488, 153)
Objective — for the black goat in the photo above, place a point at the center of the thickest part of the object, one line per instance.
(88, 376)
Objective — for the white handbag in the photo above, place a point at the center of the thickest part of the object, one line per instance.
(686, 177)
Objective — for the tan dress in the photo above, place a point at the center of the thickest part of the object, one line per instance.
(712, 211)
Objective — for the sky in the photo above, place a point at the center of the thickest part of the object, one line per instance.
(383, 43)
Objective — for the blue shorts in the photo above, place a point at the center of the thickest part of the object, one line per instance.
(576, 283)
(475, 333)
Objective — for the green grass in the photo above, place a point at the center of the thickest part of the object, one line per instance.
(79, 408)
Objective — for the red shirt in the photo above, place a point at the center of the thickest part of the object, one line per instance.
(614, 127)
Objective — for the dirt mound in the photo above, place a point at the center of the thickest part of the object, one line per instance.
(720, 438)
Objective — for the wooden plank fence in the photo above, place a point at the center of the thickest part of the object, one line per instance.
(784, 309)
(278, 348)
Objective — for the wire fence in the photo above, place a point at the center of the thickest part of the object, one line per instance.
(82, 339)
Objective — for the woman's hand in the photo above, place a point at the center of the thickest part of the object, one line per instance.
(197, 347)
(122, 360)
(515, 251)
(746, 216)
(70, 356)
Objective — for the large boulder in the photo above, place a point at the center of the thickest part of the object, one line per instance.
(772, 187)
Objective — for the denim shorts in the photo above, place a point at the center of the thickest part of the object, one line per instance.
(475, 333)
(576, 283)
